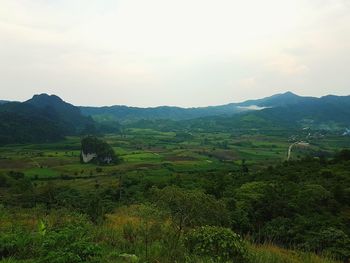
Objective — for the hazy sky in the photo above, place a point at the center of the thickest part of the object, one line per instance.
(173, 52)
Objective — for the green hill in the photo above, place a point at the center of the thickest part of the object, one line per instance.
(44, 118)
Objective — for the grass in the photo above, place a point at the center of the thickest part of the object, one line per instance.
(269, 253)
(40, 173)
(110, 235)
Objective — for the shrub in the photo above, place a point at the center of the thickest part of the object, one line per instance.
(222, 244)
(16, 244)
(331, 241)
(73, 243)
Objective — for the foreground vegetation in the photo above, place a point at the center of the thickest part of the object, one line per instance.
(177, 197)
(33, 235)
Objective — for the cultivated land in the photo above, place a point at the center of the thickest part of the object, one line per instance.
(158, 156)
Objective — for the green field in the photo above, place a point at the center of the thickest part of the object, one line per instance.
(158, 154)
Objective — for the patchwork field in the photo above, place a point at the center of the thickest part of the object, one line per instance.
(158, 156)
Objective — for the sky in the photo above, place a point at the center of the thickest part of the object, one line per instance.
(173, 52)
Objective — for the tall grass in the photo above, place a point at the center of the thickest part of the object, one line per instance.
(269, 253)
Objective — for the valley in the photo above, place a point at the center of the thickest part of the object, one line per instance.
(175, 131)
(278, 190)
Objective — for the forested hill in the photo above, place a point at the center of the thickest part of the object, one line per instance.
(125, 113)
(287, 107)
(68, 114)
(46, 118)
(41, 119)
(327, 113)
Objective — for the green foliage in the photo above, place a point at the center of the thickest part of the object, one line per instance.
(331, 241)
(68, 243)
(72, 243)
(41, 228)
(191, 208)
(174, 183)
(16, 244)
(221, 244)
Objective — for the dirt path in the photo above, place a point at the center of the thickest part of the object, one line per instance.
(301, 143)
(290, 150)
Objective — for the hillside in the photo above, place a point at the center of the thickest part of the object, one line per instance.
(21, 123)
(279, 109)
(69, 114)
(43, 118)
(46, 118)
(125, 113)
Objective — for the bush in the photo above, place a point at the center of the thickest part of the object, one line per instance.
(16, 244)
(222, 244)
(331, 241)
(72, 243)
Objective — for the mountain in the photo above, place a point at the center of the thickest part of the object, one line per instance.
(326, 110)
(328, 113)
(127, 114)
(43, 118)
(283, 99)
(69, 115)
(47, 117)
(285, 111)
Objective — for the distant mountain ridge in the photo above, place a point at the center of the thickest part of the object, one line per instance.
(125, 113)
(47, 117)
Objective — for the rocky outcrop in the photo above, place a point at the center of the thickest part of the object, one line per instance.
(97, 151)
(88, 157)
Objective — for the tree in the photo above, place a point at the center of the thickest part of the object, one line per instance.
(221, 244)
(189, 209)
